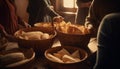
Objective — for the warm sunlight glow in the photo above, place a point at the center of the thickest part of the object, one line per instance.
(70, 3)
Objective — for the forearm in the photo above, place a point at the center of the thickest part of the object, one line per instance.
(92, 20)
(50, 9)
(52, 12)
(23, 23)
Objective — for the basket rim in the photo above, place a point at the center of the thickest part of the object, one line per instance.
(45, 54)
(72, 34)
(54, 35)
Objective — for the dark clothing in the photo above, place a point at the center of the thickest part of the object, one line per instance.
(8, 18)
(100, 8)
(108, 56)
(82, 1)
(81, 15)
(81, 12)
(38, 9)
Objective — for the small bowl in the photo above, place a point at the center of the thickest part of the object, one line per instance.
(57, 65)
(39, 46)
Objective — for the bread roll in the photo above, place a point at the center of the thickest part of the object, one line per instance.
(74, 29)
(53, 58)
(67, 58)
(58, 55)
(76, 54)
(33, 35)
(83, 29)
(45, 36)
(63, 52)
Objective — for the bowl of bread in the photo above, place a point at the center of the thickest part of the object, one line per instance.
(72, 34)
(66, 57)
(38, 38)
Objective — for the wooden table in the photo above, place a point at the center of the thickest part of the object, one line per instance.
(41, 62)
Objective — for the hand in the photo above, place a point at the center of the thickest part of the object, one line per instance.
(5, 34)
(52, 7)
(90, 28)
(58, 19)
(2, 31)
(27, 25)
(10, 38)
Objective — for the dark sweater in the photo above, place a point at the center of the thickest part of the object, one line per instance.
(99, 9)
(108, 56)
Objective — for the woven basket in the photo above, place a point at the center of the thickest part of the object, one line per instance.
(71, 39)
(39, 46)
(77, 65)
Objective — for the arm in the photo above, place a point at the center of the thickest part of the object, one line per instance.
(92, 20)
(56, 17)
(50, 10)
(23, 23)
(5, 34)
(2, 31)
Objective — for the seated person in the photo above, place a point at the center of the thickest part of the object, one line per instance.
(108, 56)
(98, 9)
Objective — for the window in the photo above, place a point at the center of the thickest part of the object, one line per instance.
(69, 3)
(66, 5)
(67, 9)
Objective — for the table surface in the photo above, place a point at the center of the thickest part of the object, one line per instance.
(41, 62)
(36, 63)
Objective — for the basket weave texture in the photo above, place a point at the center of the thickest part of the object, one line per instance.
(73, 39)
(77, 65)
(39, 46)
